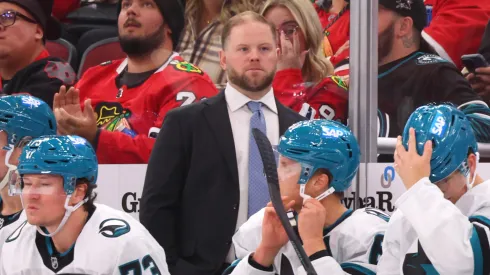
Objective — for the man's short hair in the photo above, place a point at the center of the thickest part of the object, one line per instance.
(241, 18)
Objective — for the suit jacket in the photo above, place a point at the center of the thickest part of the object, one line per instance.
(191, 194)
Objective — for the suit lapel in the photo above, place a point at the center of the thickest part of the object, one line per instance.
(284, 119)
(216, 114)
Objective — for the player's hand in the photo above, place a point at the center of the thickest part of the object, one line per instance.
(409, 164)
(480, 82)
(273, 234)
(290, 55)
(70, 118)
(311, 221)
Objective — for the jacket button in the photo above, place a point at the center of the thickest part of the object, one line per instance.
(235, 206)
(228, 243)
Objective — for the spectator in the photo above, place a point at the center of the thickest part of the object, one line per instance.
(303, 81)
(335, 19)
(25, 64)
(456, 27)
(409, 77)
(204, 177)
(480, 80)
(200, 42)
(485, 44)
(132, 96)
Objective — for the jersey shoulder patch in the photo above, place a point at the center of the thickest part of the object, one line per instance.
(185, 66)
(339, 81)
(428, 59)
(15, 235)
(113, 228)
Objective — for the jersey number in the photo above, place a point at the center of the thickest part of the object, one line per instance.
(187, 97)
(327, 112)
(134, 267)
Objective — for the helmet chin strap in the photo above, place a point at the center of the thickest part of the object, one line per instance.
(68, 211)
(11, 168)
(323, 195)
(469, 184)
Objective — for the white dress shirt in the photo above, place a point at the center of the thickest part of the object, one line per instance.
(240, 116)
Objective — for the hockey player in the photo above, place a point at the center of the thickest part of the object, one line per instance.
(65, 231)
(318, 160)
(25, 64)
(22, 118)
(442, 222)
(130, 97)
(304, 80)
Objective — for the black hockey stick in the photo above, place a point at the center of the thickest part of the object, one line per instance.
(270, 170)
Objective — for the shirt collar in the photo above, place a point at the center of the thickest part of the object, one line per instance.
(236, 100)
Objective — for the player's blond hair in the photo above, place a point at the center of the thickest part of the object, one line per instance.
(316, 66)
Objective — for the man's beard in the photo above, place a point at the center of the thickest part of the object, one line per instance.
(143, 46)
(385, 42)
(247, 83)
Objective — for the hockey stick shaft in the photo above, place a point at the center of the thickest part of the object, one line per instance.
(270, 170)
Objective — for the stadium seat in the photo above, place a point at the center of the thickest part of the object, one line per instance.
(64, 50)
(105, 50)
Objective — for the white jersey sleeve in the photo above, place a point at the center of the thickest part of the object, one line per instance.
(7, 227)
(452, 243)
(248, 236)
(243, 267)
(389, 263)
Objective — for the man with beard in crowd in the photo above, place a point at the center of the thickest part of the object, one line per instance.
(410, 75)
(131, 97)
(205, 175)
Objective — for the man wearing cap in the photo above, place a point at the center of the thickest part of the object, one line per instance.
(131, 97)
(25, 64)
(410, 75)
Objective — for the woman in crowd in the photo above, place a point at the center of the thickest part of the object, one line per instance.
(304, 80)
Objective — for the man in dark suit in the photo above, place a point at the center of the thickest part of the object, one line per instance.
(204, 178)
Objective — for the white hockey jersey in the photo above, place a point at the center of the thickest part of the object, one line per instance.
(111, 242)
(355, 237)
(8, 224)
(430, 235)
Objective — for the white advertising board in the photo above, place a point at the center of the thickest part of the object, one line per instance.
(120, 186)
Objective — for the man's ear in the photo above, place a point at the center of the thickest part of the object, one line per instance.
(79, 193)
(222, 60)
(39, 33)
(321, 183)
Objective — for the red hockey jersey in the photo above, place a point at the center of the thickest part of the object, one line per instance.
(457, 27)
(130, 118)
(327, 99)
